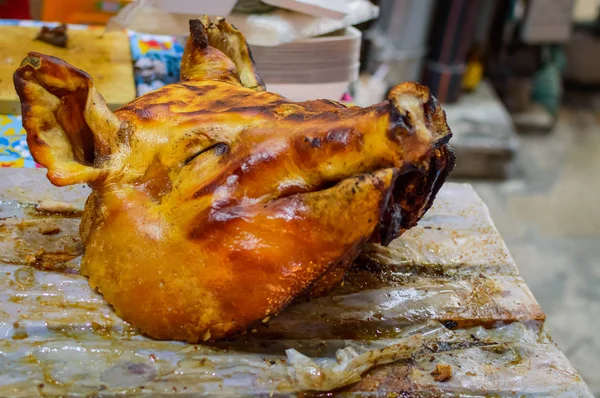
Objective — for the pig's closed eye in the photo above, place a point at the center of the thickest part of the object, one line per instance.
(218, 149)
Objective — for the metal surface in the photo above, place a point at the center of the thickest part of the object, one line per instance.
(447, 292)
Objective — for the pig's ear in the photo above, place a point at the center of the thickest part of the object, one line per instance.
(70, 129)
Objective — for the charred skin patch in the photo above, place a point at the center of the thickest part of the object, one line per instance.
(198, 34)
(315, 146)
(156, 181)
(413, 194)
(200, 90)
(400, 125)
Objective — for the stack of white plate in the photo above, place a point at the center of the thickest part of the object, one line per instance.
(317, 67)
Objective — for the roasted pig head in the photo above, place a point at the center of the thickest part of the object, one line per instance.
(216, 203)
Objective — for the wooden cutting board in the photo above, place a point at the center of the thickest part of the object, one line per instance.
(106, 56)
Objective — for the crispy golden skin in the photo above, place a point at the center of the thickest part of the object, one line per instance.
(215, 203)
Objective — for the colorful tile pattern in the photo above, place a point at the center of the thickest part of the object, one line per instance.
(156, 60)
(13, 143)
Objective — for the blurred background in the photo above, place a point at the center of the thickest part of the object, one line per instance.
(519, 80)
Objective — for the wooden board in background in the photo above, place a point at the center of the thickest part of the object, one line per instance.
(106, 56)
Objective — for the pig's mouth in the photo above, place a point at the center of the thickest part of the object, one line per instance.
(412, 195)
